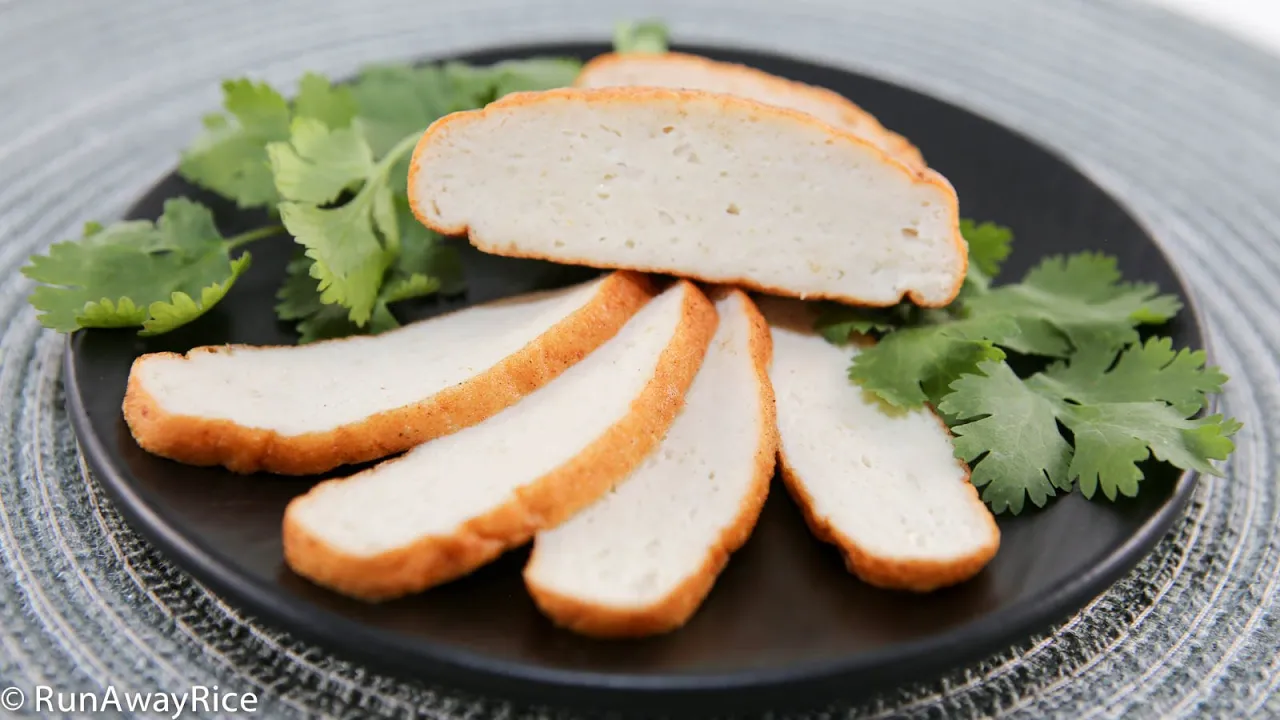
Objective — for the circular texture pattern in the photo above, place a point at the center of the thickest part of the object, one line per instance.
(1176, 120)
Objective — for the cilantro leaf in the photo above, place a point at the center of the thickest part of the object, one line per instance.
(181, 308)
(1143, 372)
(1012, 433)
(837, 322)
(370, 251)
(349, 257)
(299, 300)
(989, 245)
(929, 349)
(352, 244)
(1066, 303)
(317, 163)
(1122, 414)
(1119, 416)
(1122, 401)
(299, 294)
(136, 273)
(645, 36)
(230, 157)
(423, 267)
(333, 105)
(395, 101)
(1111, 438)
(533, 74)
(426, 265)
(914, 365)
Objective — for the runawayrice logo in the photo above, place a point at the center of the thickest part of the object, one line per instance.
(197, 700)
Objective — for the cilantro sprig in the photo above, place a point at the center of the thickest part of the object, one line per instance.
(230, 157)
(157, 275)
(331, 164)
(644, 36)
(1108, 401)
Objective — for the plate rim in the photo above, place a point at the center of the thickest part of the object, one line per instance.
(475, 672)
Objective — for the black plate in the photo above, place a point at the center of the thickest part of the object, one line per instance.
(785, 625)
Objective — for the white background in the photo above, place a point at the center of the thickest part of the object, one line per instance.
(1256, 21)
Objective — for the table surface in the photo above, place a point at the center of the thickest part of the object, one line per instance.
(1253, 21)
(1177, 119)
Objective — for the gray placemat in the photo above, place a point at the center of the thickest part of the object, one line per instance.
(98, 97)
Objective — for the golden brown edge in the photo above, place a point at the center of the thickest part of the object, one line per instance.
(675, 609)
(543, 503)
(916, 575)
(204, 441)
(854, 114)
(642, 95)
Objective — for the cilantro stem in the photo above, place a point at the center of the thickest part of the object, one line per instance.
(247, 237)
(379, 178)
(396, 152)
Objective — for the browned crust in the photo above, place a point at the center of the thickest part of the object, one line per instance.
(852, 114)
(889, 572)
(904, 150)
(674, 610)
(642, 95)
(205, 441)
(543, 503)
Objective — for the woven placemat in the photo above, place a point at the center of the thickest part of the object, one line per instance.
(1177, 120)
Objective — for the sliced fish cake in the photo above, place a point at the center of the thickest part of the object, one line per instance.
(641, 560)
(682, 71)
(451, 505)
(712, 187)
(308, 409)
(884, 486)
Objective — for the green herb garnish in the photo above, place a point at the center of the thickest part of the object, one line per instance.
(332, 165)
(159, 276)
(1108, 402)
(646, 36)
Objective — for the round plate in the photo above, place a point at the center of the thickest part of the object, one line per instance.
(785, 624)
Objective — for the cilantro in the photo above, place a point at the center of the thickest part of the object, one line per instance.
(395, 100)
(646, 36)
(333, 164)
(424, 267)
(989, 245)
(158, 276)
(1109, 402)
(1143, 372)
(424, 261)
(1111, 438)
(917, 363)
(534, 74)
(230, 157)
(299, 300)
(1061, 305)
(1066, 303)
(369, 252)
(317, 163)
(1013, 434)
(837, 322)
(914, 365)
(1117, 417)
(333, 105)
